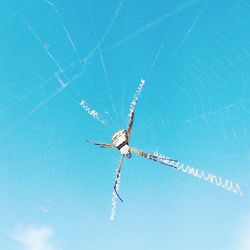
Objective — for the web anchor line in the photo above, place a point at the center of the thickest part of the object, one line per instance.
(221, 182)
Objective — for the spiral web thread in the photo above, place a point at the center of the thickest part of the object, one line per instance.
(164, 159)
(114, 200)
(217, 180)
(92, 112)
(136, 96)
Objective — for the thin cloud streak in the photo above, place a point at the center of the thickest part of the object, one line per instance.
(34, 238)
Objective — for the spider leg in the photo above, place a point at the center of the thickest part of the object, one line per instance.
(118, 177)
(130, 125)
(102, 145)
(133, 107)
(166, 161)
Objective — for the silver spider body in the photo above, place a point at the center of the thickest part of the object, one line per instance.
(121, 140)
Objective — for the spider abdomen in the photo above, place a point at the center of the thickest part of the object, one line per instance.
(125, 150)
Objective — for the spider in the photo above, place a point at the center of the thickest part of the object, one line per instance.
(120, 141)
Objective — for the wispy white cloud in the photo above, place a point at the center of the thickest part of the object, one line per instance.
(246, 244)
(245, 237)
(246, 241)
(34, 238)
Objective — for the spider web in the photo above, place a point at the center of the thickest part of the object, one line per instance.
(194, 56)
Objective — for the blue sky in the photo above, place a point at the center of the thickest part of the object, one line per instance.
(56, 189)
